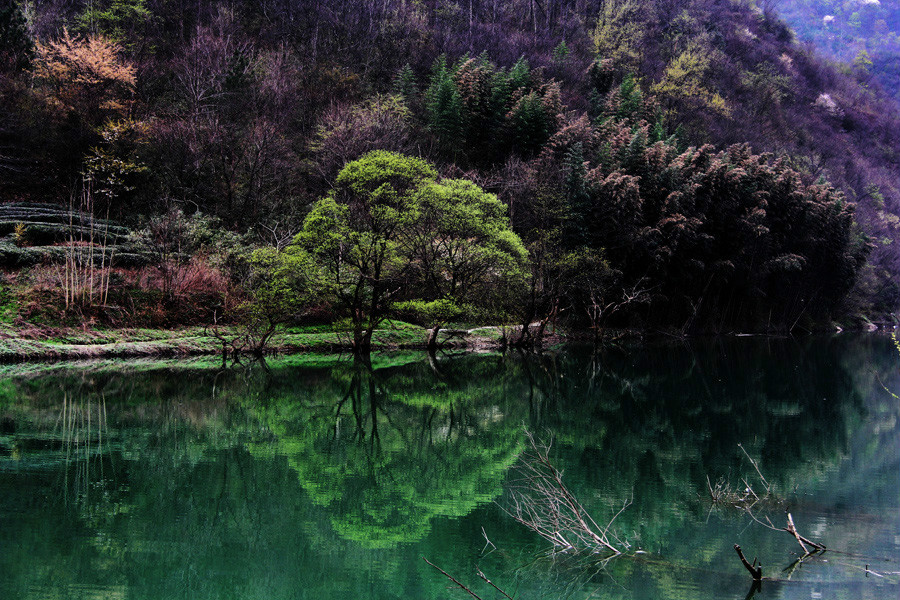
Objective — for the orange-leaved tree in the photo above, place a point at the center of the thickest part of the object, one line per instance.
(87, 76)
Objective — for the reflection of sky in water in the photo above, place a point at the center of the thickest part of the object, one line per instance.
(332, 482)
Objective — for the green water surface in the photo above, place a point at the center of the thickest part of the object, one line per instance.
(324, 477)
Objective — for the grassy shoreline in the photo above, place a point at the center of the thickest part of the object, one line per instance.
(28, 342)
(21, 344)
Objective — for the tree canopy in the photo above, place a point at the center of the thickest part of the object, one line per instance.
(392, 231)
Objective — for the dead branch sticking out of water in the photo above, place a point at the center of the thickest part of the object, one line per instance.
(800, 539)
(540, 500)
(791, 529)
(755, 571)
(743, 496)
(463, 586)
(453, 579)
(491, 583)
(756, 466)
(747, 500)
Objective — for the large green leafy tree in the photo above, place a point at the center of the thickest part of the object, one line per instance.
(391, 231)
(353, 236)
(462, 249)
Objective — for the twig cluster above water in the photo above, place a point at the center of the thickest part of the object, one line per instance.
(541, 501)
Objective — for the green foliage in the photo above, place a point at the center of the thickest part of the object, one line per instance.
(279, 291)
(429, 312)
(444, 106)
(177, 236)
(382, 181)
(518, 77)
(462, 244)
(618, 34)
(626, 103)
(685, 79)
(480, 112)
(352, 235)
(482, 104)
(112, 170)
(862, 61)
(631, 98)
(561, 52)
(16, 46)
(529, 124)
(770, 87)
(405, 82)
(115, 19)
(577, 197)
(391, 231)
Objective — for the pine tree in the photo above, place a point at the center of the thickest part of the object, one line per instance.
(529, 125)
(405, 82)
(444, 107)
(577, 198)
(16, 47)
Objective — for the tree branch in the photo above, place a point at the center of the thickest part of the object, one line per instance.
(756, 573)
(453, 579)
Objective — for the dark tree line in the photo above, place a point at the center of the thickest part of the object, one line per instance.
(667, 164)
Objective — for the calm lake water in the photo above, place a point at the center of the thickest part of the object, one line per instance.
(314, 477)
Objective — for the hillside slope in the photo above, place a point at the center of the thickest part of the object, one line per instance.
(673, 160)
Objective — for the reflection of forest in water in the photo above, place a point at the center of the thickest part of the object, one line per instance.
(335, 477)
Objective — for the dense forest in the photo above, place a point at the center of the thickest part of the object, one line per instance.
(685, 166)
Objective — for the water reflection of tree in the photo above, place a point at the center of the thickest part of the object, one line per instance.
(688, 403)
(387, 452)
(188, 503)
(657, 422)
(192, 514)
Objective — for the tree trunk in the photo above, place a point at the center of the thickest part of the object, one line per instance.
(543, 325)
(362, 341)
(433, 337)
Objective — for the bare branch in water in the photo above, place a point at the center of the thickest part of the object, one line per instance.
(487, 541)
(791, 529)
(492, 584)
(540, 500)
(755, 571)
(743, 496)
(755, 466)
(453, 579)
